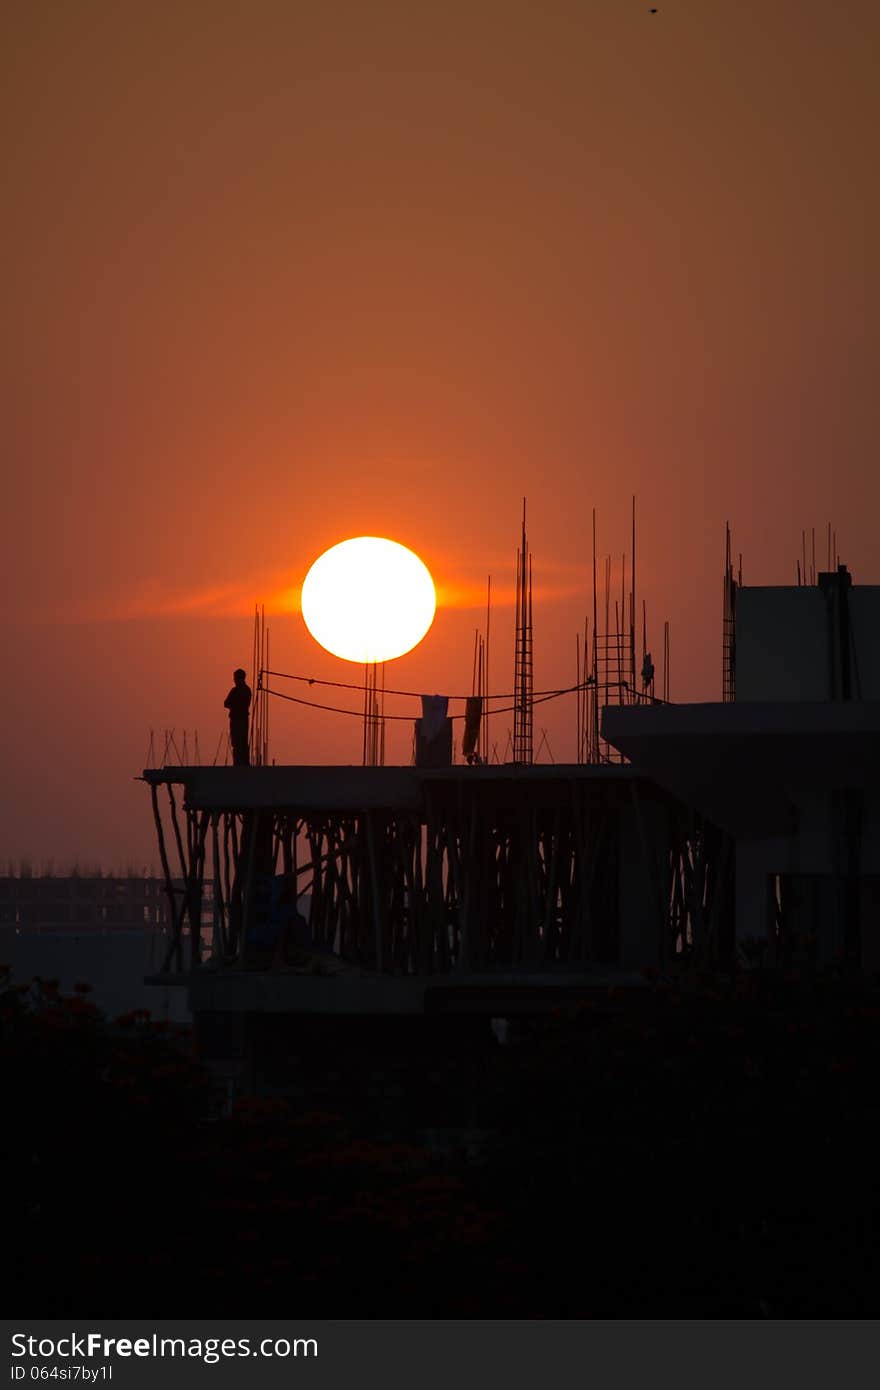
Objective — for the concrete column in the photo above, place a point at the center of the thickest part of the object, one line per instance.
(639, 901)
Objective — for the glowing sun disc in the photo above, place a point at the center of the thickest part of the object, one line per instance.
(368, 599)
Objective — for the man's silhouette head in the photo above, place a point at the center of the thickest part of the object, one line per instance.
(239, 675)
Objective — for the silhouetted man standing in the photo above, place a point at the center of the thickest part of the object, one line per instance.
(238, 702)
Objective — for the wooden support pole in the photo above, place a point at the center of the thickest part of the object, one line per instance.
(173, 951)
(375, 890)
(218, 945)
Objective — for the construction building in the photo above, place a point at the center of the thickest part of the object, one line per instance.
(107, 931)
(787, 767)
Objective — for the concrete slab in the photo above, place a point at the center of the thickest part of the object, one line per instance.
(747, 766)
(304, 788)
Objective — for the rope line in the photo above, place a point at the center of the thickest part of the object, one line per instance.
(417, 694)
(541, 699)
(407, 718)
(331, 709)
(403, 718)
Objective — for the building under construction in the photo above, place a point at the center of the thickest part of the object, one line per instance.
(108, 930)
(787, 766)
(746, 832)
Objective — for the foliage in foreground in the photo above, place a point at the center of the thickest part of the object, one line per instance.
(708, 1150)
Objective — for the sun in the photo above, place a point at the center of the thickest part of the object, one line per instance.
(368, 599)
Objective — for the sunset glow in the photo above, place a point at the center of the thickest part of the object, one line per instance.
(368, 599)
(318, 279)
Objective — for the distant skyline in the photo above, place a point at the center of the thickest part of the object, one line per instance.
(288, 273)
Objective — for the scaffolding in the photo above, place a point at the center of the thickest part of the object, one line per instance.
(409, 872)
(731, 585)
(607, 670)
(523, 683)
(374, 714)
(259, 725)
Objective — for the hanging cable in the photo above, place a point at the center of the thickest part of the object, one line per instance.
(541, 699)
(412, 694)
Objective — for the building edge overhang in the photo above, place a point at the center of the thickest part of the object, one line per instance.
(306, 787)
(751, 766)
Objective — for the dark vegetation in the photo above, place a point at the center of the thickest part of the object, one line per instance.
(698, 1150)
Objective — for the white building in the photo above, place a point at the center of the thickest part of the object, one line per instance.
(790, 769)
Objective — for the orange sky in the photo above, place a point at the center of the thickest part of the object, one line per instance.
(282, 273)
